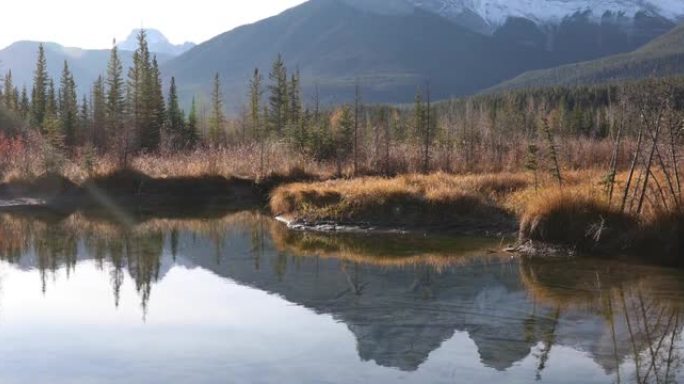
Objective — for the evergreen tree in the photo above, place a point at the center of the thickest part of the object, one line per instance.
(217, 118)
(175, 120)
(294, 98)
(39, 94)
(99, 114)
(139, 94)
(191, 135)
(278, 99)
(342, 122)
(85, 121)
(51, 105)
(255, 95)
(115, 108)
(9, 100)
(145, 98)
(156, 105)
(68, 107)
(24, 104)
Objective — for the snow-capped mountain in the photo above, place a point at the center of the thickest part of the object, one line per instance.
(157, 42)
(494, 13)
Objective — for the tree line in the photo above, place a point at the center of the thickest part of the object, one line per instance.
(127, 115)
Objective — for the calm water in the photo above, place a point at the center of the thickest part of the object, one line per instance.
(240, 300)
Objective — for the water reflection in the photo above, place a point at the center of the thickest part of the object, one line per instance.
(401, 296)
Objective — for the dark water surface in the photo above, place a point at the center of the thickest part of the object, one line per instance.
(239, 299)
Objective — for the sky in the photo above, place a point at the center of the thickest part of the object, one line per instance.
(95, 23)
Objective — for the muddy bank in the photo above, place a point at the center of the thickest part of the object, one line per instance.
(587, 227)
(195, 195)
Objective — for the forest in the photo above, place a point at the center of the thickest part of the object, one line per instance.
(583, 166)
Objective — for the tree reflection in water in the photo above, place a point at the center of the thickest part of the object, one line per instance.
(401, 295)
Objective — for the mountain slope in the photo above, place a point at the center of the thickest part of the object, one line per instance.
(663, 56)
(86, 65)
(332, 43)
(393, 48)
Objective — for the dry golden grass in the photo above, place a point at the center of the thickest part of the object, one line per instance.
(356, 198)
(236, 161)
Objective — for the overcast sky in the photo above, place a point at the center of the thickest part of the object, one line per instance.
(94, 23)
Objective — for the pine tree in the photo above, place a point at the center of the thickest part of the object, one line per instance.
(99, 114)
(278, 99)
(39, 94)
(191, 135)
(294, 98)
(85, 121)
(51, 105)
(175, 120)
(156, 106)
(115, 105)
(24, 104)
(68, 107)
(144, 96)
(255, 95)
(217, 118)
(115, 109)
(9, 100)
(54, 135)
(342, 122)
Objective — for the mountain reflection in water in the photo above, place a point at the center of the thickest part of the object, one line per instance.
(403, 297)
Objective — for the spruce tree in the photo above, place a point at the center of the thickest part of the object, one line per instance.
(343, 125)
(9, 100)
(24, 104)
(294, 98)
(51, 105)
(175, 120)
(85, 121)
(39, 94)
(116, 128)
(255, 95)
(191, 135)
(99, 114)
(145, 98)
(156, 106)
(68, 107)
(217, 118)
(278, 99)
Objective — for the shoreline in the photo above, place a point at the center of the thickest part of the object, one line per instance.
(538, 222)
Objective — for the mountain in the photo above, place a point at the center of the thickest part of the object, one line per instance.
(491, 14)
(663, 56)
(158, 43)
(85, 64)
(394, 47)
(333, 43)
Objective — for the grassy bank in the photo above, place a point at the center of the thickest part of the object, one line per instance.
(580, 215)
(410, 201)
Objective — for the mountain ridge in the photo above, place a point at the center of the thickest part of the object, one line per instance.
(494, 13)
(664, 56)
(393, 51)
(157, 42)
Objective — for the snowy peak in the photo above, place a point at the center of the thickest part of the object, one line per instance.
(157, 42)
(494, 13)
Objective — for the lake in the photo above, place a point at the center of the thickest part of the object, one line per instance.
(89, 298)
